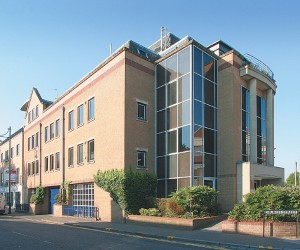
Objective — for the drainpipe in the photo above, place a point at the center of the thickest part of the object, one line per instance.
(63, 144)
(40, 161)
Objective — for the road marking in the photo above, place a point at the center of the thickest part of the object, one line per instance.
(150, 238)
(29, 236)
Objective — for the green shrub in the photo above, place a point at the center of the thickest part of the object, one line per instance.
(130, 190)
(197, 201)
(38, 197)
(267, 198)
(150, 212)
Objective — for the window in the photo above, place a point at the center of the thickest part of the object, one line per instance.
(17, 150)
(57, 128)
(12, 153)
(29, 117)
(52, 131)
(80, 153)
(33, 167)
(91, 151)
(37, 139)
(91, 111)
(141, 159)
(32, 115)
(71, 157)
(28, 143)
(37, 166)
(141, 111)
(83, 195)
(51, 162)
(32, 141)
(80, 115)
(46, 164)
(46, 134)
(2, 157)
(57, 161)
(37, 110)
(6, 155)
(28, 169)
(71, 120)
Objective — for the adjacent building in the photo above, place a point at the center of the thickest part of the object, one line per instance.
(18, 186)
(193, 115)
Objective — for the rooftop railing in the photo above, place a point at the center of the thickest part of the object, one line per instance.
(257, 64)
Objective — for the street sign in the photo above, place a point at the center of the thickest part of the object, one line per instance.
(283, 212)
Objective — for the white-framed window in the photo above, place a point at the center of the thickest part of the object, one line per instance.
(91, 150)
(51, 162)
(46, 164)
(33, 168)
(37, 166)
(71, 120)
(80, 153)
(37, 110)
(46, 133)
(32, 114)
(52, 131)
(28, 143)
(83, 195)
(57, 128)
(37, 139)
(29, 117)
(71, 156)
(141, 158)
(28, 169)
(80, 115)
(32, 141)
(91, 109)
(141, 111)
(57, 160)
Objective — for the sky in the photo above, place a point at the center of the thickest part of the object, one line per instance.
(51, 45)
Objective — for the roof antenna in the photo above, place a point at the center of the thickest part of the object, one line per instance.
(163, 34)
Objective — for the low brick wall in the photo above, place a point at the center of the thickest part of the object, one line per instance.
(38, 209)
(179, 223)
(272, 229)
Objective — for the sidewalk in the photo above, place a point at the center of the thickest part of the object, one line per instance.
(212, 234)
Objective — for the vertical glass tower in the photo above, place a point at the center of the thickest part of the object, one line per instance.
(186, 116)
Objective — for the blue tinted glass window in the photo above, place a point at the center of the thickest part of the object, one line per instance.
(184, 139)
(184, 62)
(198, 61)
(198, 107)
(184, 88)
(208, 67)
(198, 87)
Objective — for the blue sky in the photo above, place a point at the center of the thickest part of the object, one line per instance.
(50, 45)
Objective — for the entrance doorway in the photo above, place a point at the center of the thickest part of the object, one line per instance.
(53, 192)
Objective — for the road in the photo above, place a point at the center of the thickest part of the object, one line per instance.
(22, 234)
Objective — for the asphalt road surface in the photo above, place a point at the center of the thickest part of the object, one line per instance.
(22, 234)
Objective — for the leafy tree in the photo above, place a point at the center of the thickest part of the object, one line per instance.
(290, 181)
(130, 190)
(267, 198)
(38, 197)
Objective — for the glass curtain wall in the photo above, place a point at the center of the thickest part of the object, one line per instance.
(261, 130)
(245, 124)
(186, 120)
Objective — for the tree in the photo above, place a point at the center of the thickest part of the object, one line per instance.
(290, 181)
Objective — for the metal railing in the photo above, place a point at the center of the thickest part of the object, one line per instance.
(257, 64)
(81, 211)
(22, 208)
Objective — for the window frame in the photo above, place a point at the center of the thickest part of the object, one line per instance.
(70, 150)
(144, 105)
(80, 115)
(46, 162)
(91, 117)
(71, 120)
(46, 133)
(57, 161)
(91, 159)
(52, 133)
(57, 128)
(142, 153)
(51, 162)
(80, 145)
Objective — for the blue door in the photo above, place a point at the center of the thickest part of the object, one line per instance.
(53, 192)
